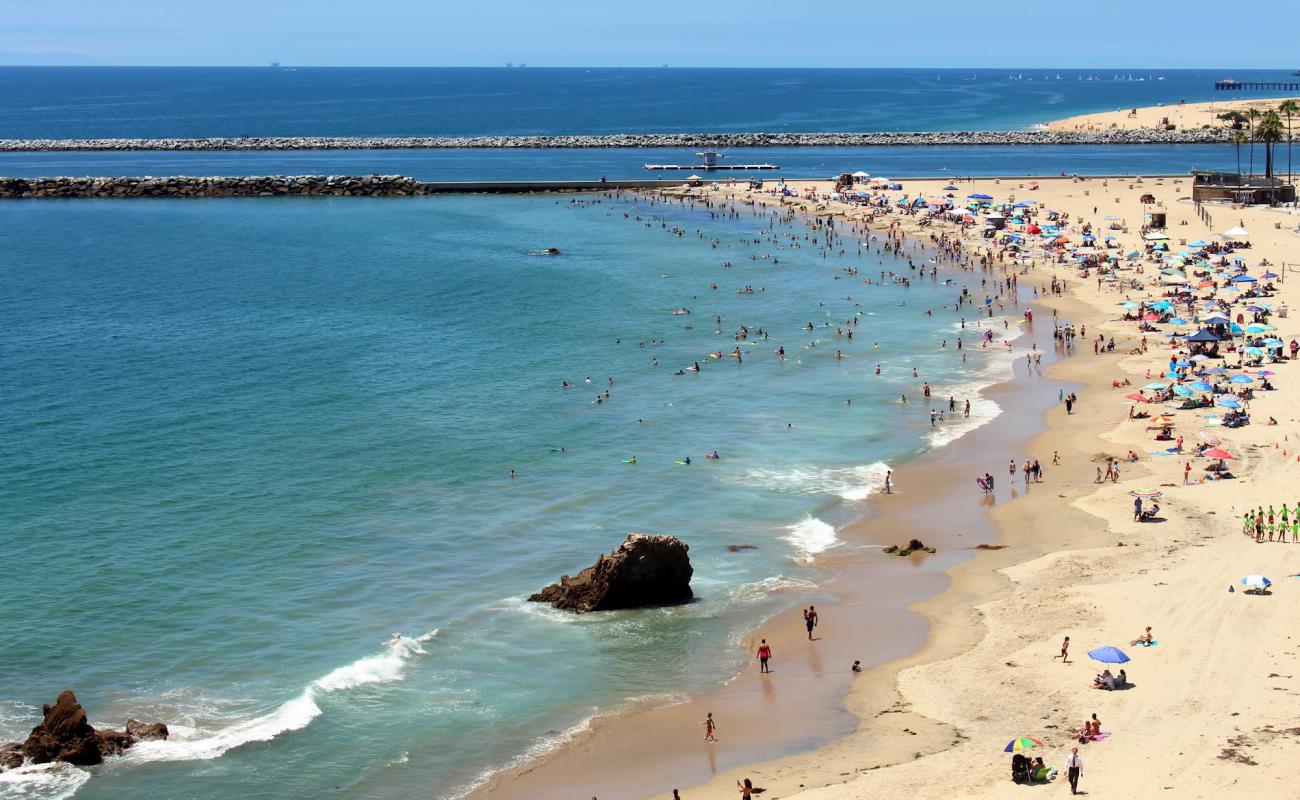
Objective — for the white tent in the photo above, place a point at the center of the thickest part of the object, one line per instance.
(1237, 232)
(1156, 236)
(861, 174)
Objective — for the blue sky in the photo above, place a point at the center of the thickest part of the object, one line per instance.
(790, 33)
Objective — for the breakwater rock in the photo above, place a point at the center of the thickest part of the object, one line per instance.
(182, 186)
(642, 571)
(632, 140)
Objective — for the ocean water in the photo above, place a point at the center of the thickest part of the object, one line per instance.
(562, 164)
(247, 441)
(79, 102)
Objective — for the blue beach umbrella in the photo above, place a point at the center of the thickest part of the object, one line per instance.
(1155, 385)
(1200, 386)
(1228, 402)
(1257, 581)
(1241, 379)
(979, 197)
(1110, 654)
(1197, 243)
(1183, 391)
(1177, 321)
(1244, 279)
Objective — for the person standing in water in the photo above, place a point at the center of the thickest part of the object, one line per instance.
(764, 653)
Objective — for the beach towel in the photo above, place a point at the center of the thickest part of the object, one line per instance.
(1099, 737)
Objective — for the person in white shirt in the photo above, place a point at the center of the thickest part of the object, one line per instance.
(1073, 766)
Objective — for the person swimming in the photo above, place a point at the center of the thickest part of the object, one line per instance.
(714, 455)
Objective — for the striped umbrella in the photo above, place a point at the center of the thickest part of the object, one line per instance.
(1021, 743)
(1208, 438)
(1147, 494)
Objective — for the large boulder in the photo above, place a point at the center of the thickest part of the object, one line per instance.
(644, 570)
(66, 735)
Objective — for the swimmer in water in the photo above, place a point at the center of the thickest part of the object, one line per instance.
(393, 642)
(714, 455)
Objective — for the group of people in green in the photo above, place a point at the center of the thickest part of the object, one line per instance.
(1260, 523)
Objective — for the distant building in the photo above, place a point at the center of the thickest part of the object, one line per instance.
(1231, 187)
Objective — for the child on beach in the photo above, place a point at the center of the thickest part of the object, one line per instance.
(1065, 651)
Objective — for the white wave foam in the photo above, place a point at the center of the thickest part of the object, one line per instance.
(848, 483)
(293, 715)
(761, 590)
(55, 781)
(811, 536)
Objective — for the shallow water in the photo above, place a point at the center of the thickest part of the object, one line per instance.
(254, 438)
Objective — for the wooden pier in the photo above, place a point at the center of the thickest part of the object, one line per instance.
(1231, 85)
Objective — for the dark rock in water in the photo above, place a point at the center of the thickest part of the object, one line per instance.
(914, 546)
(736, 548)
(112, 743)
(144, 731)
(990, 547)
(642, 571)
(65, 735)
(11, 756)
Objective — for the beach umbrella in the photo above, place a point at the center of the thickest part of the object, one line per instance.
(1200, 386)
(1228, 402)
(1183, 391)
(1146, 494)
(1254, 351)
(1237, 232)
(1197, 243)
(1137, 397)
(979, 197)
(1270, 275)
(1108, 655)
(1208, 438)
(1255, 328)
(1110, 217)
(1162, 419)
(1241, 379)
(1021, 743)
(1216, 371)
(1244, 279)
(1256, 581)
(1218, 452)
(1155, 385)
(1199, 357)
(1272, 342)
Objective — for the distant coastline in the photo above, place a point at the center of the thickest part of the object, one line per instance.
(631, 140)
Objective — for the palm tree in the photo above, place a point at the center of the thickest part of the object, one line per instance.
(1289, 107)
(1252, 114)
(1238, 138)
(1269, 131)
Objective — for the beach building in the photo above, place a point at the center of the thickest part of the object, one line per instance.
(1208, 186)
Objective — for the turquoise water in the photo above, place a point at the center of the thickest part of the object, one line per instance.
(246, 441)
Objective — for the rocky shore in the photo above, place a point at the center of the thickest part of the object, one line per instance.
(1215, 135)
(65, 735)
(182, 186)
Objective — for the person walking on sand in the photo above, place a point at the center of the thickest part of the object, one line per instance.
(1065, 651)
(889, 481)
(764, 653)
(1073, 768)
(810, 620)
(709, 727)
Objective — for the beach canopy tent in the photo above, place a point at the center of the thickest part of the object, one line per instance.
(1202, 336)
(1108, 655)
(1156, 236)
(979, 197)
(1256, 582)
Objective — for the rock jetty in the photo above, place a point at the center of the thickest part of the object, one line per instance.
(642, 571)
(183, 186)
(632, 140)
(65, 735)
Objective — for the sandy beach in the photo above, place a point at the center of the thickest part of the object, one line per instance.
(1182, 116)
(1209, 708)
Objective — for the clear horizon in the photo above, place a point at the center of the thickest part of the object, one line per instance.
(587, 34)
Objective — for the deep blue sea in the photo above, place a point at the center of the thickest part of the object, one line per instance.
(246, 441)
(83, 102)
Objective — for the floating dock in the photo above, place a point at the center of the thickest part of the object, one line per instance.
(714, 168)
(709, 163)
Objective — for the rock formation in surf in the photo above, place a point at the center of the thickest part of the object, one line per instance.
(914, 546)
(66, 735)
(644, 570)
